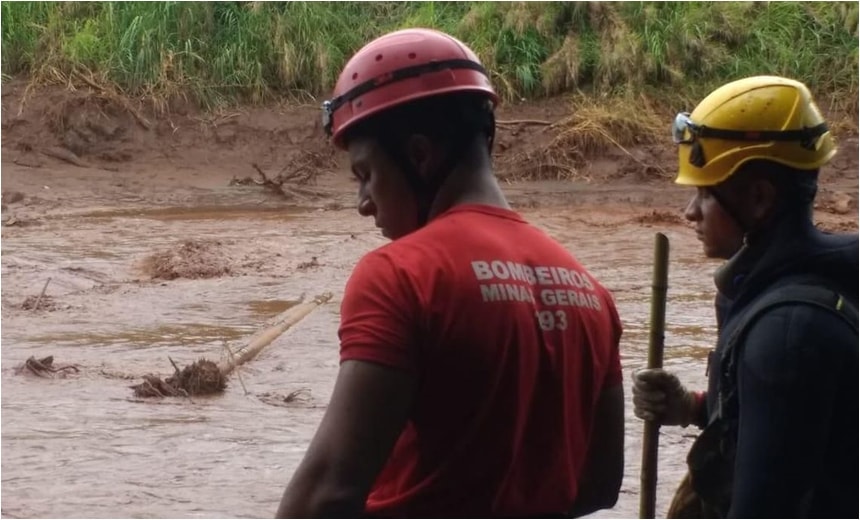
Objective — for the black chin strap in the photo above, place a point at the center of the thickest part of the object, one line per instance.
(730, 210)
(802, 196)
(426, 190)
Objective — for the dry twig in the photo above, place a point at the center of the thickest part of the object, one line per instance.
(41, 295)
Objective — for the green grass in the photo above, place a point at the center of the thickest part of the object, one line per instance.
(233, 52)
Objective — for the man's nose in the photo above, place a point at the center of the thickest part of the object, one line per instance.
(692, 212)
(366, 207)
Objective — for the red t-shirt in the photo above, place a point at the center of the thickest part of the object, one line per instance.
(512, 341)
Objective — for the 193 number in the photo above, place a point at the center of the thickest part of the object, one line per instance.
(549, 320)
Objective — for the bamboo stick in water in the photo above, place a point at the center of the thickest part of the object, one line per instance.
(280, 324)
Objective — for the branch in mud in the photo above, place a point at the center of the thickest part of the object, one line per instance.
(44, 367)
(278, 185)
(206, 377)
(301, 397)
(202, 377)
(304, 168)
(199, 378)
(41, 295)
(512, 122)
(66, 155)
(46, 303)
(300, 170)
(113, 96)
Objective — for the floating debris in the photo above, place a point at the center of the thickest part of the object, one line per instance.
(206, 377)
(44, 367)
(190, 259)
(199, 378)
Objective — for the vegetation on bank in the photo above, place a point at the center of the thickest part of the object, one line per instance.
(226, 52)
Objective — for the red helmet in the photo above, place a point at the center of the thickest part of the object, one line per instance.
(399, 67)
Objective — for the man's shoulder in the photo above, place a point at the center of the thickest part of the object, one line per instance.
(466, 230)
(794, 316)
(793, 294)
(407, 256)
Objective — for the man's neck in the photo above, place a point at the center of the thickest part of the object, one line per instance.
(472, 182)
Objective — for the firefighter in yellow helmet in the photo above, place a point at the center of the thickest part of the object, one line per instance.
(779, 418)
(763, 117)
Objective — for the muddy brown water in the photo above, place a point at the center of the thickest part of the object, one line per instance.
(82, 446)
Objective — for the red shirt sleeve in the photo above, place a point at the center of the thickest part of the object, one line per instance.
(378, 315)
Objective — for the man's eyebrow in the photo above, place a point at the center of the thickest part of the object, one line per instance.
(358, 160)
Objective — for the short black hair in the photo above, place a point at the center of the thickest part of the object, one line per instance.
(449, 118)
(796, 188)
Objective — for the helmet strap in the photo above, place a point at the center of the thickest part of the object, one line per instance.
(730, 210)
(423, 190)
(426, 190)
(697, 155)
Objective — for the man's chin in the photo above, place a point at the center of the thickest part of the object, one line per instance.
(716, 254)
(387, 233)
(393, 234)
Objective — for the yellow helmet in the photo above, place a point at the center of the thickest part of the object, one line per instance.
(762, 117)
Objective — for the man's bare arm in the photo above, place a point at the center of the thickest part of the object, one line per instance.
(368, 410)
(604, 467)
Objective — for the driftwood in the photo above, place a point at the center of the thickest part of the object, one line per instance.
(41, 295)
(233, 359)
(41, 367)
(277, 326)
(122, 101)
(21, 161)
(509, 122)
(199, 378)
(207, 377)
(65, 155)
(287, 185)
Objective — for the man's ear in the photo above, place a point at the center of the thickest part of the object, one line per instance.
(421, 152)
(762, 199)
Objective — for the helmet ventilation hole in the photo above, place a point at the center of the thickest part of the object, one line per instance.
(412, 55)
(355, 75)
(379, 57)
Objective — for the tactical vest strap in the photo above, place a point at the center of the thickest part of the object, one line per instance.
(712, 457)
(794, 293)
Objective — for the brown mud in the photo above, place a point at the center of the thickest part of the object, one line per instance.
(165, 235)
(189, 259)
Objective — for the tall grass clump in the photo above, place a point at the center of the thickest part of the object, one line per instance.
(228, 52)
(215, 51)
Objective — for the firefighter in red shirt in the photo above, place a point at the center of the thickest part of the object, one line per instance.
(480, 372)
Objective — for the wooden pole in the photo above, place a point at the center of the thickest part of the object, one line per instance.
(651, 433)
(41, 295)
(279, 325)
(200, 380)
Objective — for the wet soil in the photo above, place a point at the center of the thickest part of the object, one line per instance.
(162, 238)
